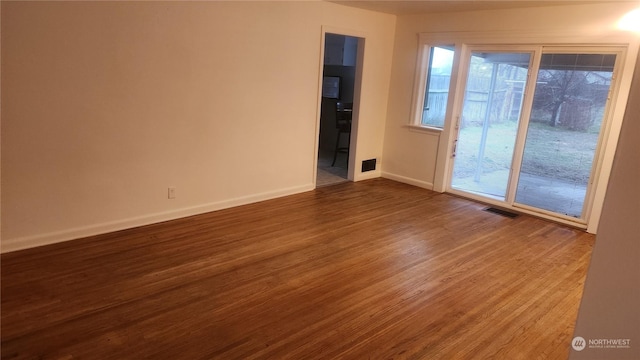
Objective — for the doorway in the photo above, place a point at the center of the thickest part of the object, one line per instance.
(340, 74)
(530, 128)
(489, 122)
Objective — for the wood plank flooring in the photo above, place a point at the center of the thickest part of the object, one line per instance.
(368, 270)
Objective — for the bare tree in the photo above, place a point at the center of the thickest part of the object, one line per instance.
(557, 87)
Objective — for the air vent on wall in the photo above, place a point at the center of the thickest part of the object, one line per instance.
(368, 165)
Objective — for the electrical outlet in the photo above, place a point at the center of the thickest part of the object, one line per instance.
(171, 193)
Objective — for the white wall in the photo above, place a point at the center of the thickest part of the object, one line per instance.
(105, 105)
(410, 156)
(609, 307)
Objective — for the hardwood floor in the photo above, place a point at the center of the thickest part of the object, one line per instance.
(375, 269)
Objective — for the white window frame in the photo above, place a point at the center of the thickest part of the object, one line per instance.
(461, 40)
(420, 83)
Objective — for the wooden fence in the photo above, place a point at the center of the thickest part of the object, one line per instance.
(505, 105)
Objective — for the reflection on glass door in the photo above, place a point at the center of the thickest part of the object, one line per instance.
(488, 126)
(568, 109)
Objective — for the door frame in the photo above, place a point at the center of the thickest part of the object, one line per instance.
(525, 116)
(357, 91)
(525, 111)
(601, 143)
(629, 43)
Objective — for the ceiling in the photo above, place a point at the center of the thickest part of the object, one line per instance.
(404, 7)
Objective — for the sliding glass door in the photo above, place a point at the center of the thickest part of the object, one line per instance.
(489, 122)
(569, 105)
(539, 156)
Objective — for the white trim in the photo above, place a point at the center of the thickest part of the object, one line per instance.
(527, 37)
(26, 242)
(355, 114)
(368, 175)
(419, 84)
(523, 123)
(446, 141)
(342, 31)
(425, 129)
(357, 98)
(520, 208)
(316, 144)
(408, 180)
(556, 38)
(611, 133)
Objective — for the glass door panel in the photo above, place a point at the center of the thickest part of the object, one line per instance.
(564, 127)
(489, 123)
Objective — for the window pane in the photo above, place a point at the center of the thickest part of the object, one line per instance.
(437, 88)
(489, 124)
(568, 108)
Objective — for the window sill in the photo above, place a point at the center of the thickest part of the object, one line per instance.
(424, 129)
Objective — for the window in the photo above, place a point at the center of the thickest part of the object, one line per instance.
(569, 107)
(541, 157)
(571, 95)
(436, 90)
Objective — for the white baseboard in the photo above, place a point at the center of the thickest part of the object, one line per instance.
(21, 243)
(408, 180)
(367, 175)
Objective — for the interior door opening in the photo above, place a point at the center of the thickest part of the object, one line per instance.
(339, 98)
